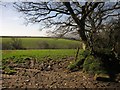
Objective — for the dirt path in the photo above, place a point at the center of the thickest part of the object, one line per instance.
(51, 74)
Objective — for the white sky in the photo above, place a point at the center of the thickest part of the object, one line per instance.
(12, 23)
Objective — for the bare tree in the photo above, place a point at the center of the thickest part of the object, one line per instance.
(100, 20)
(86, 18)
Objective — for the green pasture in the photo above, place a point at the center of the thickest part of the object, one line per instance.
(53, 43)
(54, 54)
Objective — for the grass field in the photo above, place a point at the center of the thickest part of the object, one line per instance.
(54, 54)
(36, 43)
(22, 56)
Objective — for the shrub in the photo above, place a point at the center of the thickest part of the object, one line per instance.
(16, 43)
(76, 64)
(43, 45)
(86, 53)
(72, 66)
(93, 65)
(80, 60)
(6, 46)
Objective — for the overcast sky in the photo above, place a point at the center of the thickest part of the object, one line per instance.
(12, 23)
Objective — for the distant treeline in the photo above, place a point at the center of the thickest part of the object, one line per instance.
(69, 38)
(16, 42)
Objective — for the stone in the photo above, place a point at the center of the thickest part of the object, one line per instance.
(27, 80)
(102, 77)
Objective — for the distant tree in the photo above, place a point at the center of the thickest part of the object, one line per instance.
(43, 45)
(16, 43)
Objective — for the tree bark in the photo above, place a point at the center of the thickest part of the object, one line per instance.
(80, 24)
(76, 56)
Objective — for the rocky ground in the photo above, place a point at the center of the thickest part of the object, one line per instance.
(51, 74)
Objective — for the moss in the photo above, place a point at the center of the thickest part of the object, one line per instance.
(79, 62)
(89, 63)
(71, 66)
(93, 65)
(75, 64)
(102, 77)
(85, 53)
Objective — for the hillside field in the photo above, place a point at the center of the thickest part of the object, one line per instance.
(43, 43)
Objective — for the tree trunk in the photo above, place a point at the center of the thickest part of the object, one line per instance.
(80, 23)
(76, 56)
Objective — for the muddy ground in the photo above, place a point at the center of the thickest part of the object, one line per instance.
(51, 74)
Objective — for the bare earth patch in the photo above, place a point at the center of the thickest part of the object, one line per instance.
(51, 74)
